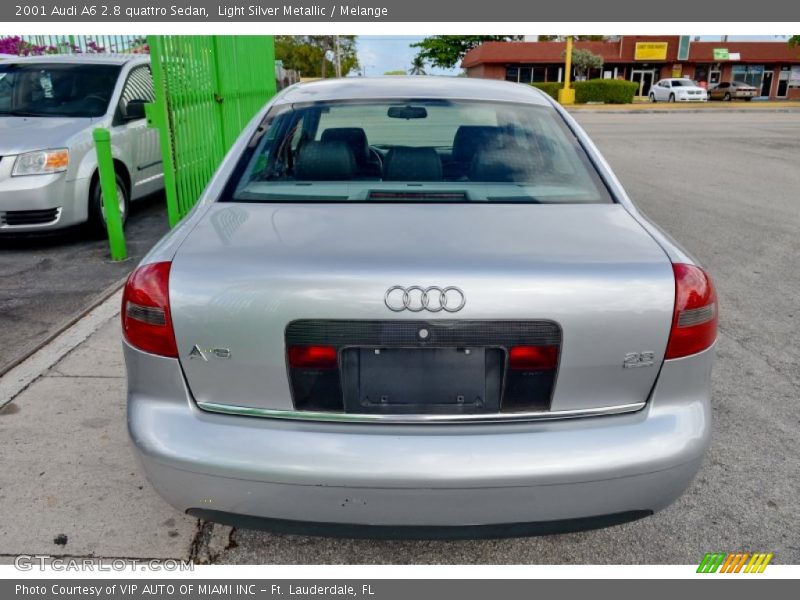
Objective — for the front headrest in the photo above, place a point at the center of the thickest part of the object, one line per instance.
(412, 164)
(470, 138)
(325, 161)
(354, 137)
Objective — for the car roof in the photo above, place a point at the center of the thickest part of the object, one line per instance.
(455, 88)
(85, 58)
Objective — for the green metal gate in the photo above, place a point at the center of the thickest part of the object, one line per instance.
(207, 89)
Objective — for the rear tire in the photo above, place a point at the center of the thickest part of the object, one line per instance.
(97, 221)
(653, 98)
(727, 97)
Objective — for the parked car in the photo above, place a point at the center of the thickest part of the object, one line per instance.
(732, 90)
(418, 307)
(49, 106)
(677, 90)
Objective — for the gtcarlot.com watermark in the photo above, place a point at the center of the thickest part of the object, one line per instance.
(44, 562)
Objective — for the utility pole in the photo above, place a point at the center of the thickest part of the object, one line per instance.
(337, 56)
(566, 95)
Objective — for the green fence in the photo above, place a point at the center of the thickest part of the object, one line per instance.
(207, 89)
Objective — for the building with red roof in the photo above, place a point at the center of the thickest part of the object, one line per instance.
(772, 67)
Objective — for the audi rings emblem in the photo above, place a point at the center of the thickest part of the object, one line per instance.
(416, 299)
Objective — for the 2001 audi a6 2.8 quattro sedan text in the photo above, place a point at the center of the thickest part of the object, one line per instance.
(418, 307)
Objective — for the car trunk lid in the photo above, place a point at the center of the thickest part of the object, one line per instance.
(588, 276)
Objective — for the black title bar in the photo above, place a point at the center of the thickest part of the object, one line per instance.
(494, 11)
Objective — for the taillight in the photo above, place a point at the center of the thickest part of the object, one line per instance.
(532, 358)
(312, 357)
(146, 319)
(694, 321)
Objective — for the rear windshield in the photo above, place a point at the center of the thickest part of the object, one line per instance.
(415, 151)
(56, 90)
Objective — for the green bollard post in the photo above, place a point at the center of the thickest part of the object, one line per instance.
(108, 185)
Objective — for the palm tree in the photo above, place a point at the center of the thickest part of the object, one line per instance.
(417, 66)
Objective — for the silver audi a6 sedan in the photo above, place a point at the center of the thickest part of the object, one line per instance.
(418, 307)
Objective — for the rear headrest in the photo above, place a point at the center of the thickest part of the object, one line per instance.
(412, 164)
(325, 161)
(469, 138)
(354, 137)
(501, 165)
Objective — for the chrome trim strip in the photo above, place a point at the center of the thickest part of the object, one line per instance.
(148, 165)
(411, 419)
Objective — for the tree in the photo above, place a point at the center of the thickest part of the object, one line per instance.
(311, 54)
(446, 51)
(584, 61)
(417, 66)
(794, 40)
(397, 72)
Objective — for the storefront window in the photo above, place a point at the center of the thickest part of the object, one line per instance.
(749, 74)
(529, 74)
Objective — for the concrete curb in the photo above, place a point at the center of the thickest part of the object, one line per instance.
(70, 335)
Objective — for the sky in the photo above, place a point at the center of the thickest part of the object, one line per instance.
(380, 53)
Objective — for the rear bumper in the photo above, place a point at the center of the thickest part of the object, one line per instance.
(413, 532)
(521, 478)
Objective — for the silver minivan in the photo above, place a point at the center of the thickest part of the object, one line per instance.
(49, 106)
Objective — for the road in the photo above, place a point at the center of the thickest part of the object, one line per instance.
(727, 185)
(46, 279)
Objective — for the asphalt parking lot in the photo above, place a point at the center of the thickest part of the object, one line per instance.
(46, 279)
(724, 184)
(727, 186)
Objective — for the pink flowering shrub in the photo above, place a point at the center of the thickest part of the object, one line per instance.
(15, 45)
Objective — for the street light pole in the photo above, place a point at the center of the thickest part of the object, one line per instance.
(566, 95)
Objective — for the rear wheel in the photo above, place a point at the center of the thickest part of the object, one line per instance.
(97, 213)
(727, 97)
(652, 98)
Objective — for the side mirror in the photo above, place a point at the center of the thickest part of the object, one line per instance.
(134, 110)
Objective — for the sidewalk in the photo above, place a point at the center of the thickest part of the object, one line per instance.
(70, 484)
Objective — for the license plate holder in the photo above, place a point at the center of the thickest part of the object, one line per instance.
(422, 380)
